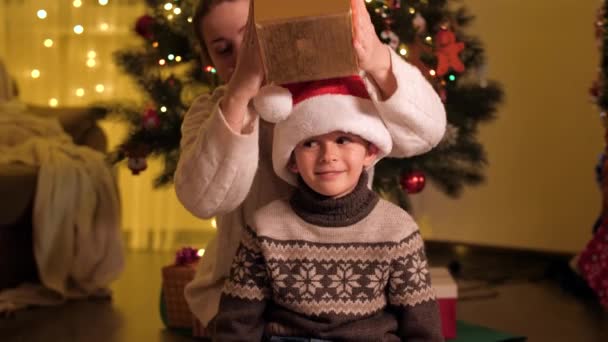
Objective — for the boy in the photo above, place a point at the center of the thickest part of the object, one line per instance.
(333, 261)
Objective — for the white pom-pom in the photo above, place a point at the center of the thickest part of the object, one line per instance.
(273, 103)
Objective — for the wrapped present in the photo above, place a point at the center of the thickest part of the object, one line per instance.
(175, 277)
(305, 40)
(446, 292)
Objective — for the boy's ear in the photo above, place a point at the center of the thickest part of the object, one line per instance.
(371, 155)
(292, 166)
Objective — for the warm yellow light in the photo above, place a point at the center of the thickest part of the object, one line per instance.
(91, 54)
(91, 62)
(432, 72)
(168, 6)
(178, 58)
(41, 14)
(189, 19)
(200, 252)
(35, 73)
(403, 51)
(213, 223)
(80, 92)
(163, 109)
(77, 3)
(177, 10)
(161, 62)
(103, 2)
(368, 1)
(155, 44)
(53, 102)
(48, 42)
(170, 17)
(78, 29)
(100, 88)
(412, 10)
(104, 26)
(428, 39)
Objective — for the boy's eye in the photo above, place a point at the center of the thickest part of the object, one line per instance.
(343, 140)
(309, 143)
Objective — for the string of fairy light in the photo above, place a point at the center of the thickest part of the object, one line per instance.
(91, 60)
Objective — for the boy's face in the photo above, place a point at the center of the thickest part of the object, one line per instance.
(222, 30)
(331, 164)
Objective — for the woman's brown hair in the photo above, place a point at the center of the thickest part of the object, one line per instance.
(202, 9)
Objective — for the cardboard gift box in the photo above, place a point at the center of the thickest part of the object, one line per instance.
(305, 40)
(446, 292)
(175, 278)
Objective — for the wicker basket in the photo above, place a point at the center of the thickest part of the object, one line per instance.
(175, 278)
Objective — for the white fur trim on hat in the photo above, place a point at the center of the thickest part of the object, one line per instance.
(325, 114)
(273, 103)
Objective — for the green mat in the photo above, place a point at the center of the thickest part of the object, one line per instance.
(467, 332)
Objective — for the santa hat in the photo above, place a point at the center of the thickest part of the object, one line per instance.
(307, 109)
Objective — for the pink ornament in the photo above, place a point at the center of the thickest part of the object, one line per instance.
(413, 182)
(419, 23)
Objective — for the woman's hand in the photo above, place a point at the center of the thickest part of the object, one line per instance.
(247, 78)
(373, 56)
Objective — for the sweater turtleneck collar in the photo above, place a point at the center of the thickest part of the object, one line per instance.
(326, 211)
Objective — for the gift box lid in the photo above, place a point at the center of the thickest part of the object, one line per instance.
(443, 283)
(281, 10)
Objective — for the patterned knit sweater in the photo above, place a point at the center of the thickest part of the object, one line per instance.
(348, 269)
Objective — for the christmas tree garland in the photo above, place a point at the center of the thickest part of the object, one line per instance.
(426, 33)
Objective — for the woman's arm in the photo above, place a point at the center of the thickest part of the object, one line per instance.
(407, 103)
(216, 165)
(413, 113)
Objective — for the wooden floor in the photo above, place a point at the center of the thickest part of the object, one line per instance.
(505, 290)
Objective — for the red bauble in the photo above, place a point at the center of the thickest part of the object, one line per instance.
(137, 165)
(150, 119)
(144, 25)
(136, 155)
(413, 182)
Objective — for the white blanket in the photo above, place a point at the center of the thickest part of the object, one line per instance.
(76, 220)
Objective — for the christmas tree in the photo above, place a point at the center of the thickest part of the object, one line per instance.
(427, 33)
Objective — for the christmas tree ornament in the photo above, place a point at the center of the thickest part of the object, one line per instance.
(150, 119)
(446, 51)
(137, 164)
(144, 27)
(419, 23)
(136, 156)
(391, 38)
(413, 182)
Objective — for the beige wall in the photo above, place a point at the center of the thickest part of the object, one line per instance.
(540, 191)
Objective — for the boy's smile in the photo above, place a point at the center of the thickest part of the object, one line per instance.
(331, 164)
